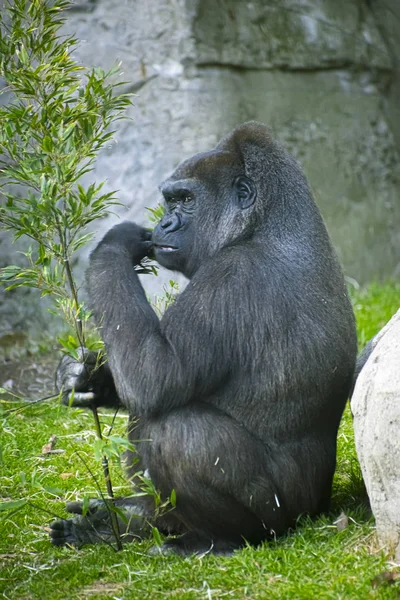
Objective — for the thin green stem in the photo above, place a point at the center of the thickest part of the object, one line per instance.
(80, 333)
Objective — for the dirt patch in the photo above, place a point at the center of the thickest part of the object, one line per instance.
(108, 590)
(30, 377)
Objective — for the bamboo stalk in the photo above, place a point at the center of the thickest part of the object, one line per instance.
(104, 460)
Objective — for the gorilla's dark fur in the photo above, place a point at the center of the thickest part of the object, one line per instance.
(241, 385)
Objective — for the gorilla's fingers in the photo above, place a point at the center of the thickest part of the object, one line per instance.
(71, 375)
(147, 233)
(148, 246)
(72, 507)
(65, 533)
(58, 541)
(60, 533)
(81, 398)
(57, 527)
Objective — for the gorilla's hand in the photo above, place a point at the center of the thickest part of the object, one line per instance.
(84, 382)
(136, 240)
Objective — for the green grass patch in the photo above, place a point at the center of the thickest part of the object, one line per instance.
(318, 560)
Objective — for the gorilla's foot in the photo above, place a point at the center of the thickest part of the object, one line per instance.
(92, 528)
(95, 526)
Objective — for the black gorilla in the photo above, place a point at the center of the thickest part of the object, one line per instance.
(241, 385)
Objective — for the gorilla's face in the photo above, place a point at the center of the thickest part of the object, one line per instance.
(205, 199)
(174, 236)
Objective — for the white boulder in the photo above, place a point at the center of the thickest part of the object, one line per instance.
(376, 409)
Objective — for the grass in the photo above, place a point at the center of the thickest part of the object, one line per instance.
(318, 560)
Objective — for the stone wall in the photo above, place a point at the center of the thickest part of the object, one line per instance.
(323, 74)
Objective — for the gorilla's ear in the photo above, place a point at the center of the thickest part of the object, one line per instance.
(245, 190)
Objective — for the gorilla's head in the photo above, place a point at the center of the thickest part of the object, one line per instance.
(220, 197)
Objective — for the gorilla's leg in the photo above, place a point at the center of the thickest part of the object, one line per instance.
(95, 527)
(225, 480)
(230, 488)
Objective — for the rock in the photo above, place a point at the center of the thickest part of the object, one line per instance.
(376, 409)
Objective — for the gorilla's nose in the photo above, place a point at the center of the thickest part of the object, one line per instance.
(171, 223)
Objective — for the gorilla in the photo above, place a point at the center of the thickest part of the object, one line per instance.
(236, 394)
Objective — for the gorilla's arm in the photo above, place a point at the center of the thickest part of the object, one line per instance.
(155, 365)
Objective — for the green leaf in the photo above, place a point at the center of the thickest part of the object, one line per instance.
(120, 512)
(69, 346)
(71, 398)
(156, 536)
(73, 342)
(119, 440)
(47, 144)
(98, 448)
(23, 55)
(85, 505)
(94, 346)
(12, 504)
(53, 490)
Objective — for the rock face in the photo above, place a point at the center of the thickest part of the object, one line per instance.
(323, 74)
(376, 409)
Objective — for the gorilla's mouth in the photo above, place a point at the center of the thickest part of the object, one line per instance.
(166, 248)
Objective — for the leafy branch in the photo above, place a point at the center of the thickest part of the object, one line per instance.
(59, 117)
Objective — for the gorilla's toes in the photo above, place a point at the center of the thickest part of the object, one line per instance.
(62, 533)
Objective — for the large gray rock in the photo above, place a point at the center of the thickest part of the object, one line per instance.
(376, 409)
(320, 73)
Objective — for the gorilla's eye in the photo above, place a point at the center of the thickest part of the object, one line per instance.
(171, 201)
(187, 199)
